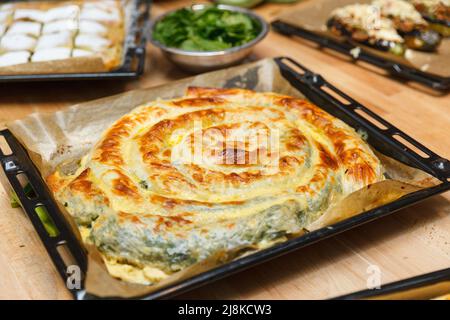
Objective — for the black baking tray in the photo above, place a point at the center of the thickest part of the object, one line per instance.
(315, 88)
(426, 286)
(134, 56)
(397, 69)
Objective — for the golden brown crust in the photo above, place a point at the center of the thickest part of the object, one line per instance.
(122, 186)
(55, 182)
(84, 186)
(268, 165)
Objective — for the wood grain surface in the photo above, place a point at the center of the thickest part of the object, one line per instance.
(410, 242)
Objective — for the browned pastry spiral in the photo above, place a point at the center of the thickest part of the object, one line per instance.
(175, 182)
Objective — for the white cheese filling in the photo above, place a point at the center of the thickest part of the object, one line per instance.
(61, 39)
(51, 54)
(92, 42)
(92, 27)
(60, 25)
(60, 13)
(17, 42)
(67, 30)
(15, 57)
(99, 15)
(25, 27)
(82, 53)
(29, 14)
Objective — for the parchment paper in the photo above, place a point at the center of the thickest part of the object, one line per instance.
(313, 16)
(55, 138)
(78, 64)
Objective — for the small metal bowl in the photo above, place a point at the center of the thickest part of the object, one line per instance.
(201, 61)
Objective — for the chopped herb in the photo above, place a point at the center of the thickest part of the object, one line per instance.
(143, 184)
(210, 29)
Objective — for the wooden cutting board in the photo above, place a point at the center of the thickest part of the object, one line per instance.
(410, 242)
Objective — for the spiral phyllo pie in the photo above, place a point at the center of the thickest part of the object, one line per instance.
(178, 181)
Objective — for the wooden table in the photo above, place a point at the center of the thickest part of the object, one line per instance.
(413, 241)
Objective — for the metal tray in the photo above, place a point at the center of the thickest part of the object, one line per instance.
(397, 69)
(426, 286)
(134, 56)
(313, 86)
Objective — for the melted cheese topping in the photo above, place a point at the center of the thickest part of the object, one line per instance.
(179, 181)
(368, 17)
(399, 9)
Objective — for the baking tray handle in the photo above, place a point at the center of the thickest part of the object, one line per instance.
(417, 153)
(54, 232)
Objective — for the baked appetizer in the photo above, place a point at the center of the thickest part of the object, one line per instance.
(409, 24)
(61, 30)
(212, 174)
(437, 12)
(363, 23)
